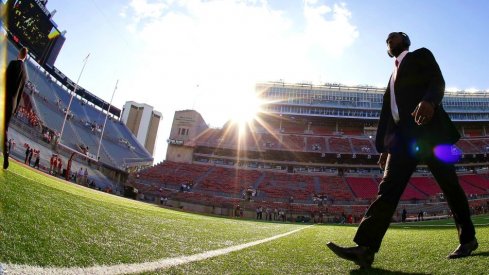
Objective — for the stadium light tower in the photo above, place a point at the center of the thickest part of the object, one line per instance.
(71, 99)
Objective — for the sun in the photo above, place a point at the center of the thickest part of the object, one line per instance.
(245, 109)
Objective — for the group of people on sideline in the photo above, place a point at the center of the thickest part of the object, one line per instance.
(33, 157)
(82, 177)
(31, 153)
(55, 165)
(270, 215)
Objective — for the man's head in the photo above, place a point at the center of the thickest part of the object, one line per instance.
(23, 54)
(397, 42)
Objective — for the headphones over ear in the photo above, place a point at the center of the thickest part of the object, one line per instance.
(405, 39)
(406, 42)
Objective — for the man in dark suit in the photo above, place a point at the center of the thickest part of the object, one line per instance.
(16, 77)
(412, 125)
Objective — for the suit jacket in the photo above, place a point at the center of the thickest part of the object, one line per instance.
(418, 78)
(16, 76)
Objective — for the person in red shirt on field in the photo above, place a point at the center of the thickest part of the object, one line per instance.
(60, 165)
(51, 163)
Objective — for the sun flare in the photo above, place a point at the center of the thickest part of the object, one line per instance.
(245, 110)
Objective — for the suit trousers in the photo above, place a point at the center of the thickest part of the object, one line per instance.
(399, 168)
(6, 122)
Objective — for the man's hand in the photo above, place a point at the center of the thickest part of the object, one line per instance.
(423, 113)
(382, 160)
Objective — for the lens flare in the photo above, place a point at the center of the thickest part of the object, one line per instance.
(447, 153)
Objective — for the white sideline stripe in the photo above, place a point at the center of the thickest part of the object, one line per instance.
(11, 269)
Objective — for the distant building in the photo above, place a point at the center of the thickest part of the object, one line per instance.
(187, 126)
(143, 121)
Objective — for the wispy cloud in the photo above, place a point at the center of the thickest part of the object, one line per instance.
(329, 27)
(240, 37)
(143, 9)
(224, 47)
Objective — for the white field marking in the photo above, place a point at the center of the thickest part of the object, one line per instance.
(12, 269)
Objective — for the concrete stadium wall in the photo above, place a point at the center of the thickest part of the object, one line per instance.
(179, 153)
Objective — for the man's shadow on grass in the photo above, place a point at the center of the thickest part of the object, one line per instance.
(480, 254)
(376, 271)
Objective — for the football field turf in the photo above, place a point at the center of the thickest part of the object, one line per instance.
(49, 225)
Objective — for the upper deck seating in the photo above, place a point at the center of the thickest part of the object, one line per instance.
(481, 145)
(339, 145)
(316, 144)
(293, 142)
(362, 146)
(472, 132)
(466, 147)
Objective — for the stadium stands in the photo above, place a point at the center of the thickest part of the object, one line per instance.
(291, 128)
(466, 146)
(321, 130)
(412, 194)
(364, 188)
(473, 132)
(471, 189)
(481, 145)
(49, 100)
(339, 145)
(306, 162)
(362, 146)
(479, 181)
(293, 142)
(281, 186)
(224, 186)
(316, 144)
(100, 181)
(427, 185)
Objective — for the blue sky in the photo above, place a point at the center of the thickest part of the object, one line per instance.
(207, 55)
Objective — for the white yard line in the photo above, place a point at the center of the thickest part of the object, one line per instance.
(11, 269)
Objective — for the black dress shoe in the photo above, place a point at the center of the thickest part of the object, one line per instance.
(464, 250)
(361, 255)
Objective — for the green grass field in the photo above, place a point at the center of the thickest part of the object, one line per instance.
(51, 223)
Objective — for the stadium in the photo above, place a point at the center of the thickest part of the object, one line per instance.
(58, 117)
(309, 153)
(256, 197)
